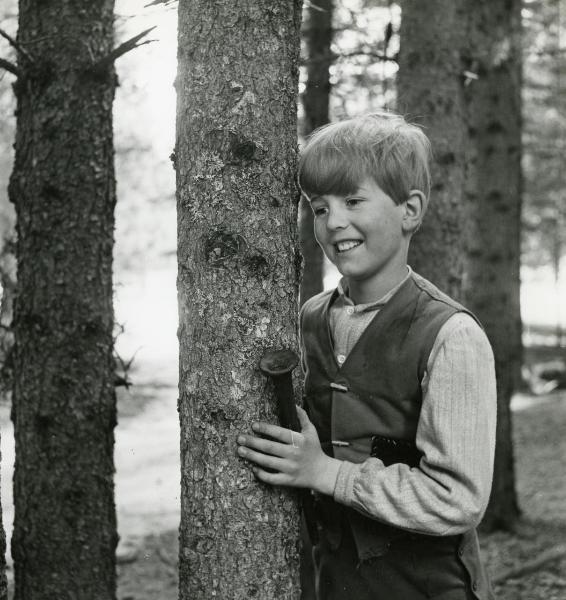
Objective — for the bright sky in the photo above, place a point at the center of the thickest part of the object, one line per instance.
(150, 69)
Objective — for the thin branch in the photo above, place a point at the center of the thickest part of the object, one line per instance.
(314, 6)
(15, 45)
(156, 2)
(10, 67)
(370, 53)
(334, 56)
(128, 45)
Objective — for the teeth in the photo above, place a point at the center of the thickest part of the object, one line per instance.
(343, 246)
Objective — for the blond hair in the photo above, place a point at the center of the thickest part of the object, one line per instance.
(338, 157)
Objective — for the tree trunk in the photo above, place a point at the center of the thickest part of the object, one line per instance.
(318, 39)
(462, 73)
(64, 412)
(317, 34)
(237, 287)
(495, 188)
(431, 91)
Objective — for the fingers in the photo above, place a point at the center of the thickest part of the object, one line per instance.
(270, 478)
(273, 431)
(265, 446)
(263, 460)
(303, 417)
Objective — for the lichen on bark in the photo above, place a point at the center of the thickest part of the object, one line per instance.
(237, 287)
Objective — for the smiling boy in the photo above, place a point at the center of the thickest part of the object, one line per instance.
(397, 442)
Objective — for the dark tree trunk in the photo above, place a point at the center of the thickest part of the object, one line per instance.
(63, 189)
(318, 39)
(431, 91)
(237, 287)
(495, 187)
(317, 34)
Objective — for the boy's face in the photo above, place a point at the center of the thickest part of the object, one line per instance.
(362, 234)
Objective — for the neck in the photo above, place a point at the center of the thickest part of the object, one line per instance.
(365, 291)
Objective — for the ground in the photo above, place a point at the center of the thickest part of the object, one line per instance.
(540, 454)
(540, 446)
(147, 497)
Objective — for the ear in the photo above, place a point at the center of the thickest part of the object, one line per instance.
(414, 210)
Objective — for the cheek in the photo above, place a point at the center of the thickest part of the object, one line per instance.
(319, 231)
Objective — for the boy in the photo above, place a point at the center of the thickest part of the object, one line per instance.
(398, 443)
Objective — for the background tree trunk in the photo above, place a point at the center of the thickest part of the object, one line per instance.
(317, 34)
(494, 187)
(431, 93)
(63, 190)
(462, 73)
(237, 287)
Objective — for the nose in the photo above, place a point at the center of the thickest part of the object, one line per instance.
(336, 218)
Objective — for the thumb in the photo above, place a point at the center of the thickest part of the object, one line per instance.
(303, 418)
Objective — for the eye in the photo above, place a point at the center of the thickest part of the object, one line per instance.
(352, 202)
(319, 210)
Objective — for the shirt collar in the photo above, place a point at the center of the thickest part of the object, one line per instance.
(342, 288)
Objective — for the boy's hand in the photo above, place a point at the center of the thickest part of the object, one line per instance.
(296, 459)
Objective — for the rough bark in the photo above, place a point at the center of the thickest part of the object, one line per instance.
(237, 287)
(318, 39)
(431, 93)
(494, 189)
(63, 190)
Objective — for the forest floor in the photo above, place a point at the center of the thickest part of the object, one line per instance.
(540, 454)
(147, 498)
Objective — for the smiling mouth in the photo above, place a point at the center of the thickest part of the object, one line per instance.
(347, 245)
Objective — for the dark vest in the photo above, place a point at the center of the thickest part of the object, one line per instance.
(376, 392)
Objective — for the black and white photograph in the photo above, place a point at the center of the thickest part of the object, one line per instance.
(282, 300)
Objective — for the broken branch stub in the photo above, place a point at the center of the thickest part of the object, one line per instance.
(278, 366)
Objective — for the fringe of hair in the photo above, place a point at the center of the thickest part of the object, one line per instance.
(338, 157)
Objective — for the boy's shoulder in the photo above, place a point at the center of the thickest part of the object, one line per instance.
(458, 314)
(316, 303)
(435, 293)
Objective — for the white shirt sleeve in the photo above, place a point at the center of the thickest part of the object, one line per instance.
(449, 491)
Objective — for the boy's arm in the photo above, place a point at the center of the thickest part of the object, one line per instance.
(449, 491)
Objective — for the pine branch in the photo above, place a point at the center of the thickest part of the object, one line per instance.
(333, 57)
(10, 67)
(156, 2)
(314, 6)
(122, 49)
(15, 45)
(370, 53)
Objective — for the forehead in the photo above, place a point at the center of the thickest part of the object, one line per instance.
(366, 188)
